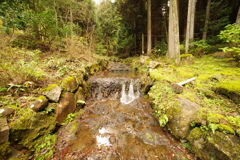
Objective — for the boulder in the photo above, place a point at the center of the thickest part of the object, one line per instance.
(40, 103)
(69, 84)
(179, 124)
(52, 92)
(80, 95)
(4, 130)
(208, 145)
(66, 105)
(27, 126)
(5, 111)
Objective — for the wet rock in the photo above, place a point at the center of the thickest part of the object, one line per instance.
(180, 123)
(66, 105)
(216, 145)
(69, 84)
(5, 111)
(4, 130)
(113, 67)
(40, 103)
(52, 92)
(110, 87)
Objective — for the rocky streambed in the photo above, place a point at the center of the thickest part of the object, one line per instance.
(109, 129)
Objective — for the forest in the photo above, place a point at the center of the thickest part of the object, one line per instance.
(45, 44)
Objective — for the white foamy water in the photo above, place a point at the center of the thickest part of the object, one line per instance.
(130, 97)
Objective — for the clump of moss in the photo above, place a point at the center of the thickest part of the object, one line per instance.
(49, 87)
(230, 86)
(28, 125)
(226, 129)
(4, 149)
(196, 133)
(215, 118)
(185, 55)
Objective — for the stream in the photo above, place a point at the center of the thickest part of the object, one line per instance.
(117, 124)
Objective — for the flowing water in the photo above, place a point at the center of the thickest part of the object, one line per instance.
(117, 124)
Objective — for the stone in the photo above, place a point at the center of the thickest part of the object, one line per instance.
(154, 64)
(186, 59)
(80, 95)
(216, 145)
(5, 111)
(40, 103)
(180, 123)
(69, 84)
(66, 105)
(143, 59)
(4, 130)
(29, 125)
(52, 92)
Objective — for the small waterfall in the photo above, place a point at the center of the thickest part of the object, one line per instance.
(130, 97)
(123, 98)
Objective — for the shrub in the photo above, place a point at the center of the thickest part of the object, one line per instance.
(231, 35)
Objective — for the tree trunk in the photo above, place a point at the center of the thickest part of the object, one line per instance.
(149, 31)
(56, 16)
(190, 23)
(71, 21)
(204, 37)
(173, 33)
(238, 16)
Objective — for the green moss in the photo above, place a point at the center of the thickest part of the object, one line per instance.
(226, 129)
(185, 55)
(4, 149)
(235, 121)
(49, 87)
(11, 106)
(68, 79)
(41, 98)
(230, 86)
(195, 134)
(28, 125)
(215, 118)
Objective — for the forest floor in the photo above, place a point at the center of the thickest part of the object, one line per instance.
(216, 89)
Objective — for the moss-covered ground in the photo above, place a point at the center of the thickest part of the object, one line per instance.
(218, 111)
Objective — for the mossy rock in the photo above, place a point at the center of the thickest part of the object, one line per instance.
(52, 92)
(226, 129)
(181, 117)
(69, 84)
(231, 89)
(208, 145)
(4, 149)
(28, 125)
(215, 118)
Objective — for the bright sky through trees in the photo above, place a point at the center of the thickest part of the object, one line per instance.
(98, 1)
